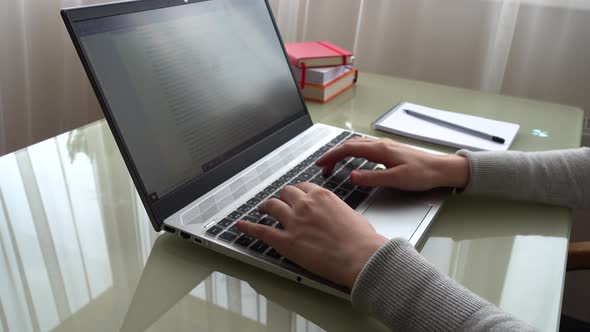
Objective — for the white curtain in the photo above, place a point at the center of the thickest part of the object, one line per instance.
(531, 48)
(43, 88)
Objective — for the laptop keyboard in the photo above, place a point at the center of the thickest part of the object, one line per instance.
(306, 171)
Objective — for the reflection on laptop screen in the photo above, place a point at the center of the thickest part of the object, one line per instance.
(190, 86)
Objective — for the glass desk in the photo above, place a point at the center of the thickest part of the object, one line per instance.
(78, 252)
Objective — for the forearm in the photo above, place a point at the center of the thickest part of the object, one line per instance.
(400, 288)
(554, 177)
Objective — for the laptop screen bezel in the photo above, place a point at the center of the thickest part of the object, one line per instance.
(160, 208)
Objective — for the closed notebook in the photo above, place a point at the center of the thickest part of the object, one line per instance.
(322, 76)
(323, 93)
(397, 121)
(317, 54)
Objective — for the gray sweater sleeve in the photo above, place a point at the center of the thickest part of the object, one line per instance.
(407, 293)
(399, 287)
(554, 177)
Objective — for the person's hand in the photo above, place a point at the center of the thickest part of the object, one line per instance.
(321, 233)
(407, 168)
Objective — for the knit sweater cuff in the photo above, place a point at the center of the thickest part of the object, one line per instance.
(552, 177)
(486, 173)
(399, 287)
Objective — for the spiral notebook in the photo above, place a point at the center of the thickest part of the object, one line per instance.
(399, 122)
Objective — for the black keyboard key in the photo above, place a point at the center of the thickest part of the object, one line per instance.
(270, 189)
(262, 195)
(225, 222)
(340, 176)
(296, 181)
(255, 214)
(278, 183)
(322, 176)
(292, 173)
(279, 226)
(313, 169)
(341, 192)
(299, 168)
(355, 199)
(227, 236)
(234, 229)
(266, 221)
(354, 135)
(253, 201)
(356, 163)
(317, 181)
(285, 178)
(310, 159)
(364, 189)
(244, 208)
(250, 219)
(273, 254)
(259, 246)
(276, 195)
(305, 176)
(350, 166)
(339, 165)
(347, 186)
(344, 134)
(214, 230)
(346, 170)
(244, 240)
(304, 163)
(235, 215)
(330, 185)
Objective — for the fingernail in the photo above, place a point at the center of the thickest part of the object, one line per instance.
(355, 176)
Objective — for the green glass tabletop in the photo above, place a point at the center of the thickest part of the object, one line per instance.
(78, 252)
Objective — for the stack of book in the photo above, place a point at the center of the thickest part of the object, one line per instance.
(322, 69)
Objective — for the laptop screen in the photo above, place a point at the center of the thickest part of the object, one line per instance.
(191, 86)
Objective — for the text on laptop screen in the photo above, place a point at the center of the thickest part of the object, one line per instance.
(190, 86)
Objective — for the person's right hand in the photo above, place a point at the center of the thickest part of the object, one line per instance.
(321, 233)
(406, 168)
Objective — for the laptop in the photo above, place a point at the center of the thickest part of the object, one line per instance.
(207, 114)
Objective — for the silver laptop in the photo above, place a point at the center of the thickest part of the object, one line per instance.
(207, 114)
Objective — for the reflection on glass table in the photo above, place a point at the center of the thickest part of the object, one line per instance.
(78, 251)
(177, 269)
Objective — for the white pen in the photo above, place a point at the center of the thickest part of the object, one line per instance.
(456, 126)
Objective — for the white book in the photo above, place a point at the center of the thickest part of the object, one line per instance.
(398, 121)
(322, 75)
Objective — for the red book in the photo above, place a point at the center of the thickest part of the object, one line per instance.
(317, 54)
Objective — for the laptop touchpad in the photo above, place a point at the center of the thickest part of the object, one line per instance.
(396, 213)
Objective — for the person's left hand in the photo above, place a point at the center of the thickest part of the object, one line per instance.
(322, 234)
